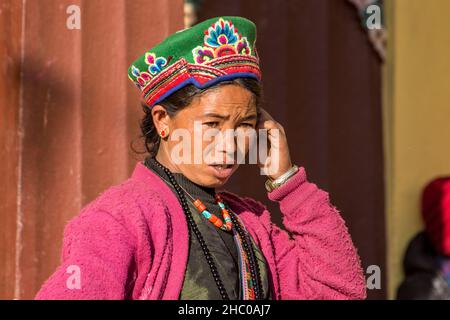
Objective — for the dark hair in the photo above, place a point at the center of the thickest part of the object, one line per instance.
(182, 98)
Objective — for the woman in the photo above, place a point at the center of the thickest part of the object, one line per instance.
(167, 232)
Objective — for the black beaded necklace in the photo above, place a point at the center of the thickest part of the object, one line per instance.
(254, 267)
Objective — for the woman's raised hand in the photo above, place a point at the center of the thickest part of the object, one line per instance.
(278, 159)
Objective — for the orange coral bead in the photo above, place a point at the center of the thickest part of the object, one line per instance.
(199, 205)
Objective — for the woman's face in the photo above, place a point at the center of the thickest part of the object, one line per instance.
(225, 112)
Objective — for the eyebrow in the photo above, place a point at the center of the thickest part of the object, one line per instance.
(250, 117)
(216, 115)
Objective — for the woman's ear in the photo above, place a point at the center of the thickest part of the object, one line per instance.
(161, 118)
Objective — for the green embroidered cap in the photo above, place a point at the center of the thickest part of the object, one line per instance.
(214, 50)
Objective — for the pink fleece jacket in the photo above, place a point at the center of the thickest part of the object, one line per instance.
(131, 242)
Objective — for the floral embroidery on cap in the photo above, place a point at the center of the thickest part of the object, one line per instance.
(201, 55)
(155, 66)
(221, 39)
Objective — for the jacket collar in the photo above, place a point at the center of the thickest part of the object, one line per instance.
(179, 254)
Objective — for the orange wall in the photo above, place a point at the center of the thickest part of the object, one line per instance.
(68, 113)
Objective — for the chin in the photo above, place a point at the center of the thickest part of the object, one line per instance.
(210, 176)
(214, 178)
(218, 183)
(211, 181)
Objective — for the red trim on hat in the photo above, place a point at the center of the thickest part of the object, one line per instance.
(182, 71)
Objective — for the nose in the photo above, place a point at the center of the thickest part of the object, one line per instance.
(224, 147)
(228, 145)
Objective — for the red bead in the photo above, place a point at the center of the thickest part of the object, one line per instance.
(214, 219)
(199, 205)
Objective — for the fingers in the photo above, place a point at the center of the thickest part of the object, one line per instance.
(272, 124)
(266, 121)
(264, 115)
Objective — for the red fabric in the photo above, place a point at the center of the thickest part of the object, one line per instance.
(436, 213)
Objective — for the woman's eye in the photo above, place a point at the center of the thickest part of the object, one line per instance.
(246, 125)
(211, 124)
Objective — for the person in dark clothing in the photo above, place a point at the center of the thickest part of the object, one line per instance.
(424, 277)
(427, 259)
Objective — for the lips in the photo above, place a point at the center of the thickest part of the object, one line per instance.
(222, 171)
(222, 166)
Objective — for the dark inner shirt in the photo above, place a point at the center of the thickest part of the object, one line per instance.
(199, 282)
